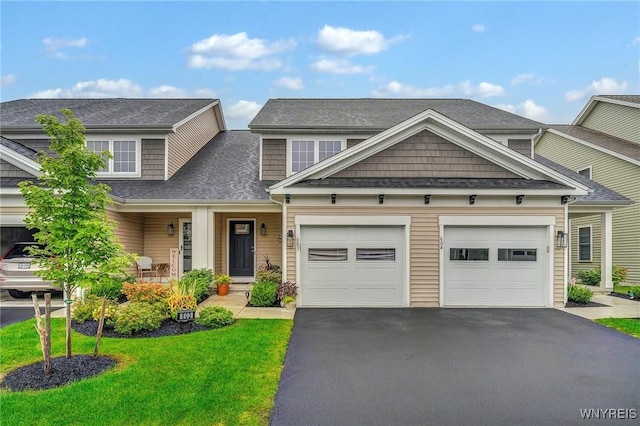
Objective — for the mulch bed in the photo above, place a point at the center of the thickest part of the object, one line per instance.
(167, 328)
(623, 296)
(572, 304)
(276, 304)
(63, 372)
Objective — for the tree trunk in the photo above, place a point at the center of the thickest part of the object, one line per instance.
(100, 325)
(44, 331)
(67, 308)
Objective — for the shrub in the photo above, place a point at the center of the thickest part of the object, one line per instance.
(263, 293)
(140, 316)
(110, 287)
(267, 265)
(287, 289)
(619, 274)
(579, 294)
(589, 276)
(82, 309)
(271, 275)
(202, 280)
(635, 291)
(215, 317)
(111, 311)
(178, 302)
(145, 292)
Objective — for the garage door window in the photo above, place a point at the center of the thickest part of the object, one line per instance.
(517, 255)
(474, 254)
(381, 255)
(327, 254)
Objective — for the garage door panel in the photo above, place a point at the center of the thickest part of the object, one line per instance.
(512, 275)
(370, 271)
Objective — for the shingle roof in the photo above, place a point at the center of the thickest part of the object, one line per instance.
(427, 183)
(599, 195)
(18, 147)
(99, 113)
(380, 114)
(226, 169)
(611, 143)
(635, 99)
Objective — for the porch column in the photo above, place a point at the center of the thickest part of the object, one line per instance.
(606, 262)
(200, 232)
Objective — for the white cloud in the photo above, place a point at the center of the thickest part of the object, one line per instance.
(605, 86)
(242, 110)
(237, 52)
(522, 78)
(338, 66)
(7, 80)
(347, 42)
(466, 88)
(479, 28)
(527, 109)
(636, 40)
(105, 88)
(53, 46)
(291, 83)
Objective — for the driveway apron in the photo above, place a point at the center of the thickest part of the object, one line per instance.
(454, 367)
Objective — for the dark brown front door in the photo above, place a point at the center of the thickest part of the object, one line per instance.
(241, 248)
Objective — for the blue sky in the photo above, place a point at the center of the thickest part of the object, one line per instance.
(542, 60)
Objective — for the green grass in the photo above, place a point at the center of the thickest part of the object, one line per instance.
(227, 376)
(623, 289)
(629, 326)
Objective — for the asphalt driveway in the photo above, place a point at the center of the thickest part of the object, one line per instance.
(455, 367)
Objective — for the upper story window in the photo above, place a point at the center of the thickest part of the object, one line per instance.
(586, 172)
(303, 153)
(125, 153)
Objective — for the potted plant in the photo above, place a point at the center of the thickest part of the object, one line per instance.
(222, 282)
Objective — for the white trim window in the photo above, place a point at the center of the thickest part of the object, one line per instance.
(584, 244)
(303, 152)
(125, 153)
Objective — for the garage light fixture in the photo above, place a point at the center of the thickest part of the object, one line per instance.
(333, 198)
(290, 238)
(381, 199)
(427, 198)
(287, 198)
(472, 199)
(519, 199)
(561, 239)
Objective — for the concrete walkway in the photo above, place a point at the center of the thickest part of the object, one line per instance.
(616, 308)
(236, 303)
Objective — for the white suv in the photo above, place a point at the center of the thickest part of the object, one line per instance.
(17, 269)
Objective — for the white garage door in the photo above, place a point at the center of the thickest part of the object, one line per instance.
(495, 266)
(352, 266)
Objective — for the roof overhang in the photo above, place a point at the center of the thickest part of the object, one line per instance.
(446, 128)
(20, 161)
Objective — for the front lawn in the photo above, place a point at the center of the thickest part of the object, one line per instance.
(217, 377)
(629, 326)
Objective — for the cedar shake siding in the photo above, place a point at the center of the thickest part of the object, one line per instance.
(426, 155)
(189, 138)
(523, 146)
(9, 170)
(37, 145)
(274, 159)
(152, 159)
(424, 255)
(353, 142)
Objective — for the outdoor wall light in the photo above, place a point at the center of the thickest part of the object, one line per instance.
(381, 199)
(290, 238)
(333, 198)
(287, 198)
(472, 199)
(427, 198)
(561, 239)
(170, 229)
(263, 228)
(519, 199)
(564, 199)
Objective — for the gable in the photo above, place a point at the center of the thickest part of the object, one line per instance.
(425, 155)
(616, 120)
(9, 170)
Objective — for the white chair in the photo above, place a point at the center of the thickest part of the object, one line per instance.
(145, 266)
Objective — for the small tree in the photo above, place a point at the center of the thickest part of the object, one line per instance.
(68, 209)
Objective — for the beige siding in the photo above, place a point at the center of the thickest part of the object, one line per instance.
(616, 120)
(130, 233)
(424, 259)
(9, 170)
(156, 241)
(426, 155)
(152, 159)
(190, 137)
(616, 174)
(594, 222)
(266, 245)
(274, 159)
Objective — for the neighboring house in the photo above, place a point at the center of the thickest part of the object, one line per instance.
(364, 202)
(603, 144)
